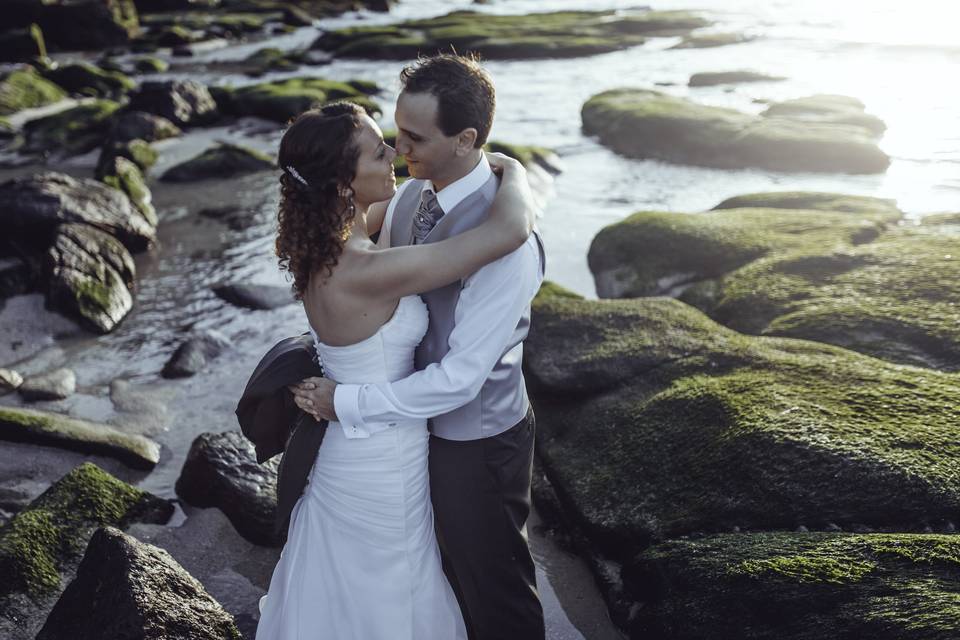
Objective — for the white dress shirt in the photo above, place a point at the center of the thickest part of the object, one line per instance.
(491, 304)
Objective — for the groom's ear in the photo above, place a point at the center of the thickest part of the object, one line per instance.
(466, 139)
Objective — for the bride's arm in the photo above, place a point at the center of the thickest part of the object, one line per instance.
(400, 271)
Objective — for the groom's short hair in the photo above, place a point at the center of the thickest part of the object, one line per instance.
(463, 89)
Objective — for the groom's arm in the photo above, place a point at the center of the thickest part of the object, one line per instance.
(491, 305)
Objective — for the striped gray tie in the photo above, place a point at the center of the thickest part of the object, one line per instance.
(428, 213)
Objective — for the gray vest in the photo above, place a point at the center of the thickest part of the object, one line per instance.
(502, 401)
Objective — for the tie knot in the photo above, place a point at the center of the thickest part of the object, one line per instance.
(427, 214)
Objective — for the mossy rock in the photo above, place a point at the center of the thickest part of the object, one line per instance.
(713, 78)
(560, 34)
(283, 100)
(831, 109)
(821, 201)
(22, 45)
(150, 64)
(52, 429)
(268, 59)
(852, 277)
(793, 586)
(42, 544)
(137, 151)
(640, 123)
(83, 78)
(711, 40)
(24, 89)
(221, 161)
(654, 422)
(76, 130)
(652, 253)
(123, 174)
(88, 25)
(204, 24)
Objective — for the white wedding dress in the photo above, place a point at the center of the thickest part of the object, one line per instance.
(361, 560)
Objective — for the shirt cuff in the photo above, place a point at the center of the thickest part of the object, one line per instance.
(346, 403)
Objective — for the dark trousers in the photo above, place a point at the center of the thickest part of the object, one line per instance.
(481, 498)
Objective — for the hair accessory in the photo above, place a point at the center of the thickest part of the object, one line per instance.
(289, 169)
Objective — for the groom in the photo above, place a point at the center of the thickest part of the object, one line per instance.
(469, 380)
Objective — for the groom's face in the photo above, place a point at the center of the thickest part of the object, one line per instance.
(419, 138)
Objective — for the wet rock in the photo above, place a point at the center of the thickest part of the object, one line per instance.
(235, 217)
(194, 353)
(150, 64)
(709, 79)
(282, 100)
(272, 59)
(120, 173)
(540, 35)
(76, 130)
(22, 45)
(91, 276)
(795, 585)
(155, 6)
(56, 430)
(255, 296)
(132, 125)
(221, 471)
(36, 204)
(24, 88)
(647, 124)
(182, 102)
(221, 161)
(16, 276)
(125, 588)
(653, 422)
(83, 78)
(830, 109)
(854, 276)
(10, 380)
(55, 385)
(41, 546)
(709, 40)
(137, 151)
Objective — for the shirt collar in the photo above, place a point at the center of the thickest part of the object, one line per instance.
(455, 192)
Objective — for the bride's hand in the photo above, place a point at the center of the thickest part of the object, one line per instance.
(315, 396)
(514, 209)
(501, 163)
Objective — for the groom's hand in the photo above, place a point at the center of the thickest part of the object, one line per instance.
(315, 396)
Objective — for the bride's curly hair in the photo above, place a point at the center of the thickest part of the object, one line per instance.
(318, 156)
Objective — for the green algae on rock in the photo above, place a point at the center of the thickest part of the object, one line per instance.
(44, 542)
(83, 78)
(640, 123)
(22, 45)
(793, 586)
(282, 100)
(77, 130)
(24, 89)
(220, 161)
(561, 34)
(845, 270)
(52, 429)
(123, 174)
(831, 109)
(655, 422)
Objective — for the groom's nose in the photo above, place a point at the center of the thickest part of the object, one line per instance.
(402, 145)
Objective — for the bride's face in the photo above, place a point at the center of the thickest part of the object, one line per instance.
(374, 180)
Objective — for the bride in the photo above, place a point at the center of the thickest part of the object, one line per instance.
(361, 559)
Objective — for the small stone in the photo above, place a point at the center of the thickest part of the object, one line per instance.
(10, 380)
(832, 527)
(55, 385)
(802, 529)
(950, 527)
(255, 296)
(192, 356)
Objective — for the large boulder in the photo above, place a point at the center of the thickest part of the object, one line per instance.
(33, 206)
(52, 429)
(561, 34)
(125, 588)
(91, 276)
(22, 45)
(655, 422)
(849, 272)
(223, 160)
(221, 471)
(182, 102)
(24, 88)
(88, 24)
(640, 123)
(282, 100)
(77, 130)
(41, 546)
(796, 586)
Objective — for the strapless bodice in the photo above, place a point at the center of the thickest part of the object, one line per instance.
(385, 356)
